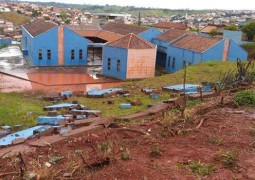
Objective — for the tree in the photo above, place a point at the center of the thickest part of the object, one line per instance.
(231, 27)
(36, 13)
(213, 33)
(249, 30)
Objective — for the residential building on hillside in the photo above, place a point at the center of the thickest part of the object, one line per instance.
(129, 57)
(47, 44)
(178, 48)
(165, 26)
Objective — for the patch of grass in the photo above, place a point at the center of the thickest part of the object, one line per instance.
(193, 103)
(200, 169)
(202, 72)
(55, 159)
(164, 132)
(245, 98)
(105, 146)
(126, 155)
(15, 109)
(156, 151)
(215, 140)
(15, 18)
(228, 158)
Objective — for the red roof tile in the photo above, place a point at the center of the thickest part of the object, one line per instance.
(170, 25)
(38, 27)
(131, 41)
(196, 43)
(124, 29)
(171, 35)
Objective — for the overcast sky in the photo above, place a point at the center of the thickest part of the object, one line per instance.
(172, 4)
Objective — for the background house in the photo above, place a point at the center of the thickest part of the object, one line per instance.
(129, 57)
(177, 48)
(238, 36)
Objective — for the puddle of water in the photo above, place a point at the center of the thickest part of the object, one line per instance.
(47, 79)
(11, 84)
(11, 51)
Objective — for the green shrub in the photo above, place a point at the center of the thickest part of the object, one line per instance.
(245, 98)
(200, 169)
(156, 151)
(228, 158)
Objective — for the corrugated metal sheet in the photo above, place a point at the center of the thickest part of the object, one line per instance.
(7, 140)
(42, 120)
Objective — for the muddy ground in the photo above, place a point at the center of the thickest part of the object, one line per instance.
(157, 147)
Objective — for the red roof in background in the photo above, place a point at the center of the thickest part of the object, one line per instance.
(170, 25)
(131, 41)
(196, 43)
(124, 29)
(38, 27)
(171, 35)
(102, 34)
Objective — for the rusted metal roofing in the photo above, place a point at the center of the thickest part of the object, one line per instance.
(102, 34)
(196, 43)
(38, 27)
(131, 41)
(171, 35)
(124, 29)
(170, 25)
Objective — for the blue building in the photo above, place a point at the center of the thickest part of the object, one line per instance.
(177, 48)
(238, 36)
(47, 44)
(5, 41)
(129, 57)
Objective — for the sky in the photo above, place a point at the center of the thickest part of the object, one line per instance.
(171, 4)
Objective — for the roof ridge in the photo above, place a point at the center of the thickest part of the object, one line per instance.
(131, 34)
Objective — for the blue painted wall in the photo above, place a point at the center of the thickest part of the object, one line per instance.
(73, 41)
(236, 52)
(235, 36)
(45, 41)
(5, 41)
(215, 53)
(149, 34)
(114, 54)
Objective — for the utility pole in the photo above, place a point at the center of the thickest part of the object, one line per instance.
(139, 19)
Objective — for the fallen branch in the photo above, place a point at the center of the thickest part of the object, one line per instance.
(200, 124)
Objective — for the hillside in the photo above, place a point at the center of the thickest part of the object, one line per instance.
(21, 103)
(15, 18)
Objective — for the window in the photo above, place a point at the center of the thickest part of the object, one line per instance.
(173, 63)
(118, 65)
(72, 54)
(109, 64)
(40, 54)
(169, 61)
(49, 54)
(80, 54)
